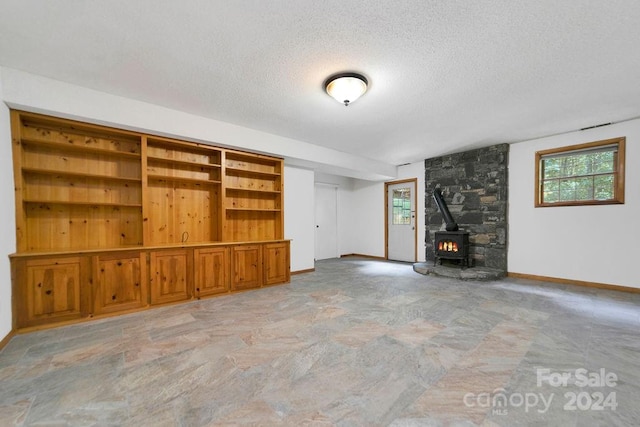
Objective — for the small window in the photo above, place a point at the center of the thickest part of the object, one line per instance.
(585, 174)
(402, 206)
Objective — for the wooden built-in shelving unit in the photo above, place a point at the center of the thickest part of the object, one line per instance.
(110, 220)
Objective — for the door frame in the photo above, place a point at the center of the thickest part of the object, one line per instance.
(386, 215)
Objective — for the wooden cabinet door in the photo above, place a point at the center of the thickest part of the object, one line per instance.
(247, 266)
(212, 271)
(51, 290)
(120, 282)
(276, 263)
(171, 275)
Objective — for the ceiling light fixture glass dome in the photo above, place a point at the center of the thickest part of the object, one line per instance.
(346, 87)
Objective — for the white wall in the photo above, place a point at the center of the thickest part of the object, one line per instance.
(344, 207)
(587, 243)
(7, 213)
(298, 216)
(366, 218)
(361, 211)
(42, 95)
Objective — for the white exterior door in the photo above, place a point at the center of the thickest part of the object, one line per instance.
(401, 227)
(326, 213)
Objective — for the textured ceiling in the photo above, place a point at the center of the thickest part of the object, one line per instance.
(445, 75)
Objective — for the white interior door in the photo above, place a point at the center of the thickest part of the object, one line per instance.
(326, 200)
(401, 238)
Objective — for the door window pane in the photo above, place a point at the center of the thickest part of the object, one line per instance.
(401, 206)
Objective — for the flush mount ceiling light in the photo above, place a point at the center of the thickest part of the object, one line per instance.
(346, 87)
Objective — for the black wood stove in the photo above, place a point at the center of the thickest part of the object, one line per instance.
(453, 243)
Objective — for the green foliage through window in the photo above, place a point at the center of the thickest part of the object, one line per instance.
(402, 206)
(584, 174)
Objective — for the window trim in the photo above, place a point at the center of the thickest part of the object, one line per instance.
(618, 174)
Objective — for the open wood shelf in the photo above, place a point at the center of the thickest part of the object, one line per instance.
(253, 190)
(82, 203)
(111, 221)
(35, 120)
(179, 145)
(152, 159)
(68, 174)
(250, 173)
(251, 158)
(169, 179)
(77, 148)
(253, 210)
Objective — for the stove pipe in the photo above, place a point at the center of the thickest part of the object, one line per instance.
(451, 225)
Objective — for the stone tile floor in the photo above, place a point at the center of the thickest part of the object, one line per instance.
(355, 343)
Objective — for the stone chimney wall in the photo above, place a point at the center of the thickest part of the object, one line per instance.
(475, 186)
